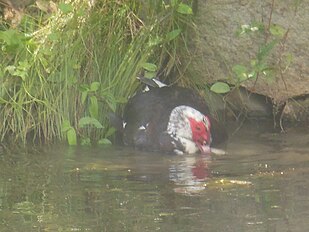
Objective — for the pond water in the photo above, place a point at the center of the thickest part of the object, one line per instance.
(262, 184)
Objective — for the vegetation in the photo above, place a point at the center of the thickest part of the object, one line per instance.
(67, 64)
(271, 38)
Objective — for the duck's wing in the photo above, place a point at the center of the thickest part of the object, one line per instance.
(151, 82)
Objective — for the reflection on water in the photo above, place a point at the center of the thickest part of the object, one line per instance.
(190, 173)
(260, 185)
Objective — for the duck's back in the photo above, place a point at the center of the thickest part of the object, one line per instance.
(147, 114)
(144, 105)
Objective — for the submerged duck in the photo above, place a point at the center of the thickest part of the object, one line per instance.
(170, 119)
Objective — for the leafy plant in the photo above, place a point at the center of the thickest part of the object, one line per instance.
(261, 65)
(62, 71)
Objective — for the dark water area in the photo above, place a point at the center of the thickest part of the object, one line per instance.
(262, 184)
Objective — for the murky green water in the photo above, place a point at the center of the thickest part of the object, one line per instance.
(261, 185)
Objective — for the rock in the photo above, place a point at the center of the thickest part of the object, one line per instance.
(219, 49)
(242, 101)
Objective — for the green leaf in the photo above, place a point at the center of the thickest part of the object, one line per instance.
(220, 87)
(65, 8)
(150, 74)
(65, 126)
(22, 69)
(71, 136)
(94, 86)
(89, 121)
(94, 107)
(149, 67)
(277, 30)
(10, 68)
(104, 141)
(84, 96)
(83, 88)
(172, 34)
(110, 131)
(184, 9)
(240, 71)
(13, 40)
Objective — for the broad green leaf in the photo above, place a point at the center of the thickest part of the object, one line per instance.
(83, 88)
(65, 126)
(104, 141)
(71, 136)
(220, 87)
(20, 73)
(94, 86)
(84, 96)
(240, 71)
(110, 131)
(65, 8)
(184, 9)
(12, 39)
(172, 34)
(150, 74)
(89, 121)
(22, 70)
(94, 107)
(10, 68)
(277, 30)
(149, 67)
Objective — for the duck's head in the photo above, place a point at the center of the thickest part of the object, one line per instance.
(190, 130)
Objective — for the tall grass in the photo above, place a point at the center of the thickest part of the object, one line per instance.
(62, 74)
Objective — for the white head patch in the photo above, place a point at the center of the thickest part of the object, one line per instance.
(179, 126)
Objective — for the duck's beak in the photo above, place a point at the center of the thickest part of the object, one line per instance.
(204, 148)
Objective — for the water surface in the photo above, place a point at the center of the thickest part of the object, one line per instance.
(260, 185)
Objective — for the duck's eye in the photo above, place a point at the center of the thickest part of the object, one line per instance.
(206, 122)
(198, 128)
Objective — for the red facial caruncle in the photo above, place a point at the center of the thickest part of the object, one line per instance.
(201, 133)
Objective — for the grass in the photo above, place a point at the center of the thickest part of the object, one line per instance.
(62, 72)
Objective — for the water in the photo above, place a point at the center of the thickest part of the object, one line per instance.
(262, 184)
